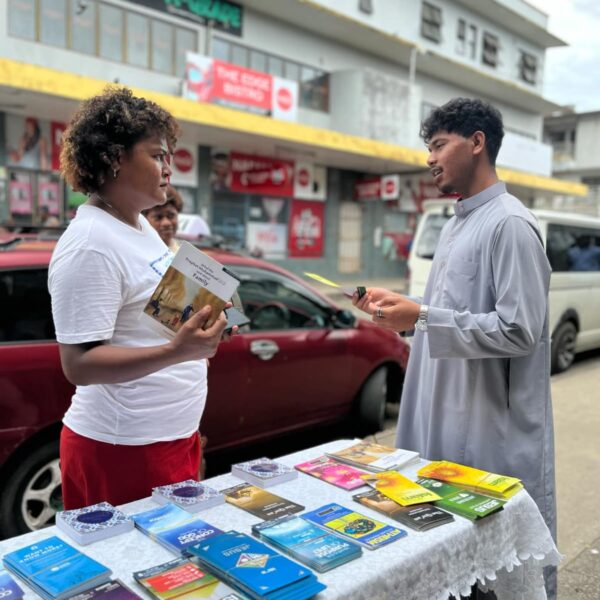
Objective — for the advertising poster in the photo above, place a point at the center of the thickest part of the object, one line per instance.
(20, 194)
(266, 240)
(307, 224)
(49, 194)
(261, 175)
(28, 143)
(56, 131)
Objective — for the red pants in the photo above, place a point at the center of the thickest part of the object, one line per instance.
(94, 471)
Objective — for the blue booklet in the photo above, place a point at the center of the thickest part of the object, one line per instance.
(307, 543)
(9, 588)
(54, 569)
(255, 568)
(174, 528)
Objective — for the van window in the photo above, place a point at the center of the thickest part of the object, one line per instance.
(572, 248)
(430, 235)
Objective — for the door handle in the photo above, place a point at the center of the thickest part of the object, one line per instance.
(264, 349)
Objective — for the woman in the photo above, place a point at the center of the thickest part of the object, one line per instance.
(163, 218)
(133, 421)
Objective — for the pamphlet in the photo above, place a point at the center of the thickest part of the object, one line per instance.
(374, 457)
(331, 471)
(399, 488)
(259, 502)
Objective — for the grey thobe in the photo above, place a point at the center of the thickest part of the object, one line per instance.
(477, 388)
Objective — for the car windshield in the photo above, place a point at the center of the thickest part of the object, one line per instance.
(430, 234)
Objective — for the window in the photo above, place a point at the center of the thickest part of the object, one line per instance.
(83, 28)
(111, 33)
(461, 36)
(21, 18)
(430, 236)
(431, 22)
(472, 41)
(138, 33)
(275, 66)
(185, 41)
(528, 67)
(314, 89)
(571, 248)
(491, 47)
(162, 47)
(239, 55)
(220, 49)
(53, 22)
(258, 61)
(292, 71)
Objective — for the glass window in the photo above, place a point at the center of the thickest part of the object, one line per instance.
(83, 27)
(220, 49)
(461, 36)
(111, 33)
(491, 47)
(573, 248)
(53, 22)
(239, 55)
(275, 66)
(162, 47)
(21, 18)
(472, 41)
(430, 236)
(292, 71)
(185, 41)
(314, 89)
(138, 33)
(528, 67)
(258, 61)
(431, 22)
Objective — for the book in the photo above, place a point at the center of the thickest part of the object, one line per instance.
(190, 495)
(399, 488)
(374, 457)
(112, 590)
(263, 472)
(192, 280)
(255, 568)
(420, 517)
(471, 505)
(55, 569)
(93, 523)
(181, 578)
(259, 502)
(307, 543)
(476, 480)
(9, 588)
(368, 532)
(331, 471)
(174, 528)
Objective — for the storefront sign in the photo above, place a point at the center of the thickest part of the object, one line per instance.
(211, 80)
(221, 14)
(260, 175)
(386, 187)
(184, 165)
(307, 222)
(310, 181)
(267, 240)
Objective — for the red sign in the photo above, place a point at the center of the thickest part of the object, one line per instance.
(56, 132)
(307, 225)
(368, 189)
(183, 160)
(241, 86)
(260, 175)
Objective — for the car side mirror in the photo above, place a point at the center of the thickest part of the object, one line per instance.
(343, 319)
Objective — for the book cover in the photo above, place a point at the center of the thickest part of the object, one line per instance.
(307, 543)
(9, 588)
(192, 281)
(399, 488)
(181, 578)
(362, 529)
(490, 484)
(112, 590)
(259, 502)
(331, 471)
(465, 503)
(263, 472)
(374, 457)
(174, 527)
(420, 517)
(93, 523)
(190, 495)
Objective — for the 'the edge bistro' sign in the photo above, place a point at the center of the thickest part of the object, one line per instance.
(221, 14)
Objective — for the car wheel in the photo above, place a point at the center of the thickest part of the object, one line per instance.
(563, 347)
(32, 493)
(371, 402)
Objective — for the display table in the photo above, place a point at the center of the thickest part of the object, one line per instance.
(507, 550)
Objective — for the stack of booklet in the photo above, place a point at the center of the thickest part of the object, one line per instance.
(9, 589)
(260, 503)
(256, 569)
(307, 543)
(331, 471)
(93, 523)
(174, 528)
(54, 569)
(263, 472)
(400, 489)
(190, 495)
(375, 457)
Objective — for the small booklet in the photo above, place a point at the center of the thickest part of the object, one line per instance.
(190, 495)
(93, 523)
(484, 482)
(192, 281)
(364, 530)
(331, 471)
(374, 457)
(263, 472)
(259, 502)
(174, 528)
(113, 590)
(471, 505)
(181, 578)
(9, 588)
(420, 517)
(306, 542)
(400, 489)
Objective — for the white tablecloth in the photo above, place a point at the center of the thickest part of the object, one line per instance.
(507, 550)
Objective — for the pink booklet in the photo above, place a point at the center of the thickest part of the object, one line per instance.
(333, 472)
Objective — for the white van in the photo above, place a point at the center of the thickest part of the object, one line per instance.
(573, 249)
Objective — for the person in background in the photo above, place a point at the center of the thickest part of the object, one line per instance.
(32, 151)
(163, 217)
(46, 219)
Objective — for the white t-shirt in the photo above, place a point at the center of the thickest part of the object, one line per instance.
(101, 275)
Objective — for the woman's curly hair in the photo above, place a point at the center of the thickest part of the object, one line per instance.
(106, 126)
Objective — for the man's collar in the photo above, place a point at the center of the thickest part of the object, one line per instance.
(463, 207)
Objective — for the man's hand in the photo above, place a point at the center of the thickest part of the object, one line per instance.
(389, 310)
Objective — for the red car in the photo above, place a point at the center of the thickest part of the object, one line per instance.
(303, 361)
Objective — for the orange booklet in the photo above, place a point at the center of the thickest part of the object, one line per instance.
(400, 489)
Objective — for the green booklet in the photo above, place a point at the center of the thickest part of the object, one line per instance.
(462, 502)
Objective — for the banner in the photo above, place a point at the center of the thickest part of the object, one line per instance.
(307, 225)
(385, 187)
(261, 175)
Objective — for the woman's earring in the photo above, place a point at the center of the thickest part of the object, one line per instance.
(115, 173)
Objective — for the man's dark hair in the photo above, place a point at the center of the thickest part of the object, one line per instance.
(465, 116)
(103, 128)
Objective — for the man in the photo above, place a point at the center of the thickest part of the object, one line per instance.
(477, 388)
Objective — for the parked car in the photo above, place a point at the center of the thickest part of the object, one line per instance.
(303, 361)
(573, 249)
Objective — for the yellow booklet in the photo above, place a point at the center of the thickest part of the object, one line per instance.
(490, 484)
(400, 489)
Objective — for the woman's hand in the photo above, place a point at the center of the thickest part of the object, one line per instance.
(195, 339)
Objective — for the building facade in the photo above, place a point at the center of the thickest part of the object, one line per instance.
(300, 118)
